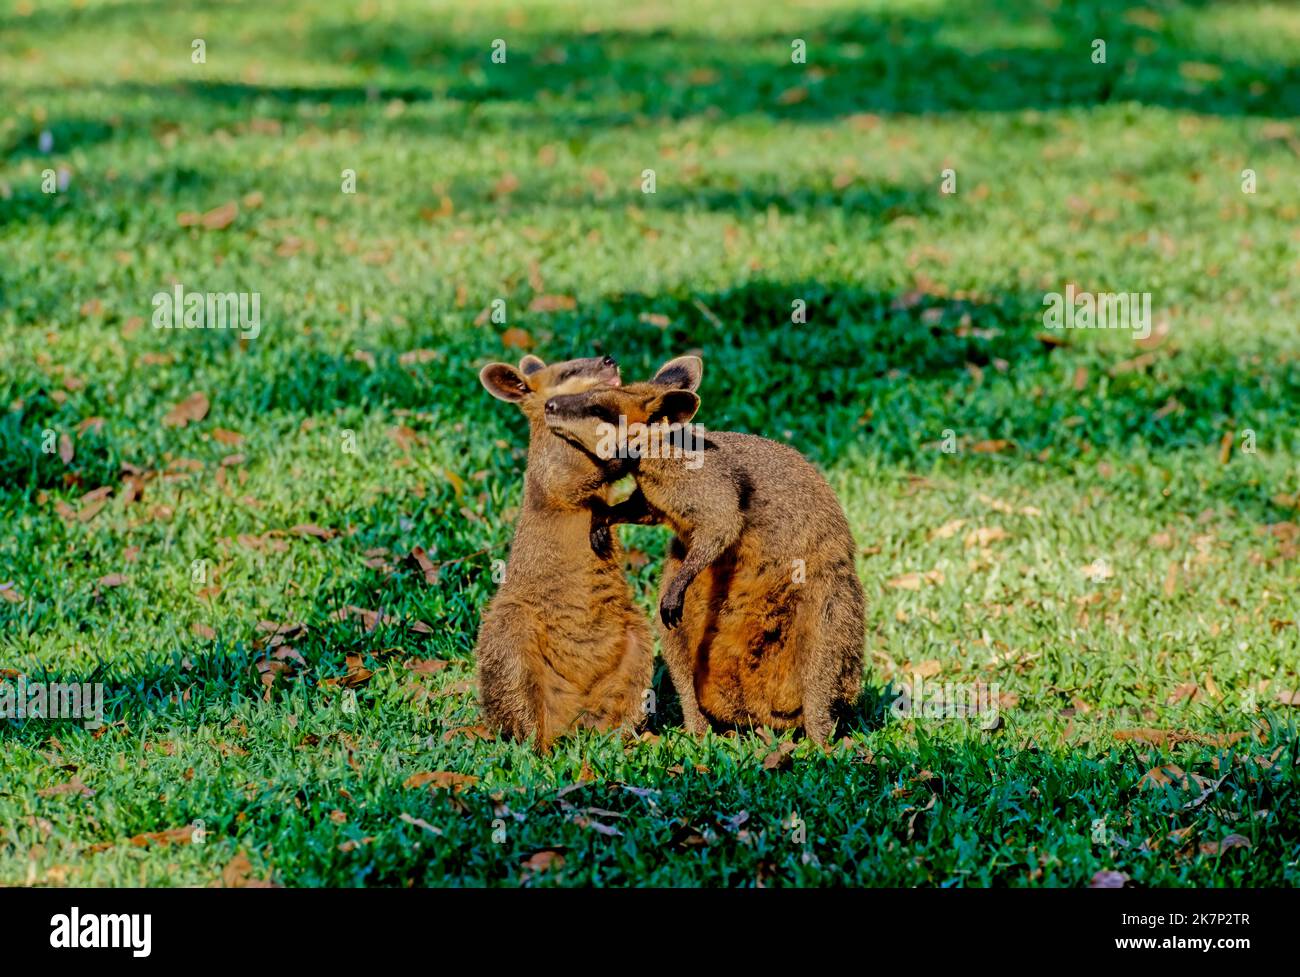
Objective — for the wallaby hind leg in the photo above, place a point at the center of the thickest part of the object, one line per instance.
(508, 694)
(640, 663)
(678, 653)
(834, 640)
(681, 668)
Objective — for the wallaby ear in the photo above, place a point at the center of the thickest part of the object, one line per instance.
(674, 406)
(682, 373)
(530, 364)
(504, 382)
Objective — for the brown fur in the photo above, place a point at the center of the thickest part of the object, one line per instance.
(561, 644)
(753, 645)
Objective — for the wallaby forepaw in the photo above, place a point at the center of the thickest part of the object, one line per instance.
(600, 540)
(670, 610)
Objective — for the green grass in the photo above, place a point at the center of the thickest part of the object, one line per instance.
(775, 182)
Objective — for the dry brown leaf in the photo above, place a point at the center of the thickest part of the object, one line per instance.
(1228, 843)
(543, 861)
(552, 303)
(515, 338)
(420, 356)
(426, 565)
(1108, 879)
(235, 874)
(219, 218)
(1168, 737)
(985, 536)
(173, 836)
(1161, 776)
(781, 758)
(948, 529)
(311, 529)
(73, 786)
(192, 408)
(441, 780)
(477, 732)
(356, 675)
(427, 666)
(913, 581)
(505, 186)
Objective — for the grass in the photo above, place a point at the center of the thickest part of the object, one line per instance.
(357, 412)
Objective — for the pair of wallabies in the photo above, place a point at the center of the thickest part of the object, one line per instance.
(763, 618)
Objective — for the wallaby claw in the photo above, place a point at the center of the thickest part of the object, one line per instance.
(670, 610)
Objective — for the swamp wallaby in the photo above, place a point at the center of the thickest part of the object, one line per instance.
(763, 613)
(561, 644)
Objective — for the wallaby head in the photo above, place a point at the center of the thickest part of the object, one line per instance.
(559, 475)
(533, 382)
(588, 420)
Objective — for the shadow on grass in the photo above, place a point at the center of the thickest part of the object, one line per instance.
(864, 62)
(948, 61)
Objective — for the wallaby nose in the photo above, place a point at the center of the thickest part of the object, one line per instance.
(551, 407)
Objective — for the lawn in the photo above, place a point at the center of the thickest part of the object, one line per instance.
(219, 529)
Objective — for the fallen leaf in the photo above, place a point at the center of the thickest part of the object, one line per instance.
(441, 780)
(546, 860)
(991, 447)
(1165, 737)
(426, 565)
(356, 675)
(311, 529)
(219, 218)
(235, 874)
(1163, 776)
(552, 303)
(73, 786)
(173, 836)
(948, 529)
(420, 823)
(515, 338)
(192, 408)
(780, 758)
(505, 186)
(427, 666)
(984, 536)
(1108, 879)
(477, 732)
(913, 581)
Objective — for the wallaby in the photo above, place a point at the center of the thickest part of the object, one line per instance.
(561, 644)
(763, 615)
